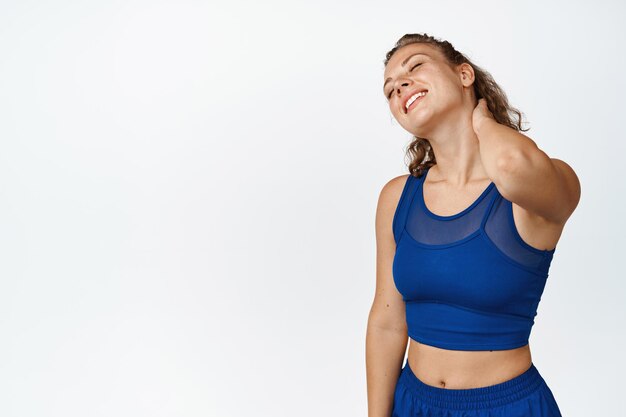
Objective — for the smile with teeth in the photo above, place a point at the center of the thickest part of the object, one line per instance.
(413, 98)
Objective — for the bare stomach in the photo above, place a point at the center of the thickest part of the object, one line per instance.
(458, 369)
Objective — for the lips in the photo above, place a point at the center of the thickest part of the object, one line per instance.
(414, 103)
(408, 96)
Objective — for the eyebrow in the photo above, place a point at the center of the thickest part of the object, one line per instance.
(403, 64)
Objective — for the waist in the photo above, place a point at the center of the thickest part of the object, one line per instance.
(457, 369)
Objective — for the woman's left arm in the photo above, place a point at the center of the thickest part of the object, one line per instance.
(523, 173)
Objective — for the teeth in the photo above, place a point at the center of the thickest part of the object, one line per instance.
(414, 97)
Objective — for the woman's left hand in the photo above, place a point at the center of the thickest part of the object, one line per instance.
(480, 114)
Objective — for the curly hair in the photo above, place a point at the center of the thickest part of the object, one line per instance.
(419, 151)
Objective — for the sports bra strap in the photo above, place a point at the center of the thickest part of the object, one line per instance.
(494, 197)
(402, 210)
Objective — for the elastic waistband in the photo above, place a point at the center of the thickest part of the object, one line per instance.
(474, 398)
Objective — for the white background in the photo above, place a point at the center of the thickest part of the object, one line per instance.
(188, 191)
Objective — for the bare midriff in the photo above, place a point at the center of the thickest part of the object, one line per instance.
(458, 369)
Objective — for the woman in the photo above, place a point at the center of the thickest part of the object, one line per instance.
(464, 244)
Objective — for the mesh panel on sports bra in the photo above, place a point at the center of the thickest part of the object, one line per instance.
(501, 230)
(431, 229)
(491, 210)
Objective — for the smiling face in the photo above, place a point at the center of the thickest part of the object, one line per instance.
(416, 68)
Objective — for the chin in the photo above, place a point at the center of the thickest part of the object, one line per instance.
(420, 128)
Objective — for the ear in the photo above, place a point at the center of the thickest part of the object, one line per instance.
(466, 74)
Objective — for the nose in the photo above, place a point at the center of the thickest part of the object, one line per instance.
(401, 86)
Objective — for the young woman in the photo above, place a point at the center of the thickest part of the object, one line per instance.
(464, 245)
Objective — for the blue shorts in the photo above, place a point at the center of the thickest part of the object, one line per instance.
(525, 395)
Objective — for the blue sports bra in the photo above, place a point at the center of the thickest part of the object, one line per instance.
(468, 280)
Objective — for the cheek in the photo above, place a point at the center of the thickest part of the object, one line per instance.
(394, 108)
(447, 96)
(453, 89)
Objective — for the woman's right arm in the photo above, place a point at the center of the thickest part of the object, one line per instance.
(386, 339)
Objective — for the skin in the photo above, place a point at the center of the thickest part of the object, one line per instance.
(450, 117)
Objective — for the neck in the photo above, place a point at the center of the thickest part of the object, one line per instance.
(457, 150)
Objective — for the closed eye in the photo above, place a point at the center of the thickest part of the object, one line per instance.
(412, 68)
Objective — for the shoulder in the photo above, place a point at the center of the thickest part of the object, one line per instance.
(388, 199)
(392, 190)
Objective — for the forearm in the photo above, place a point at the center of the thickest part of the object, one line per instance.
(384, 353)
